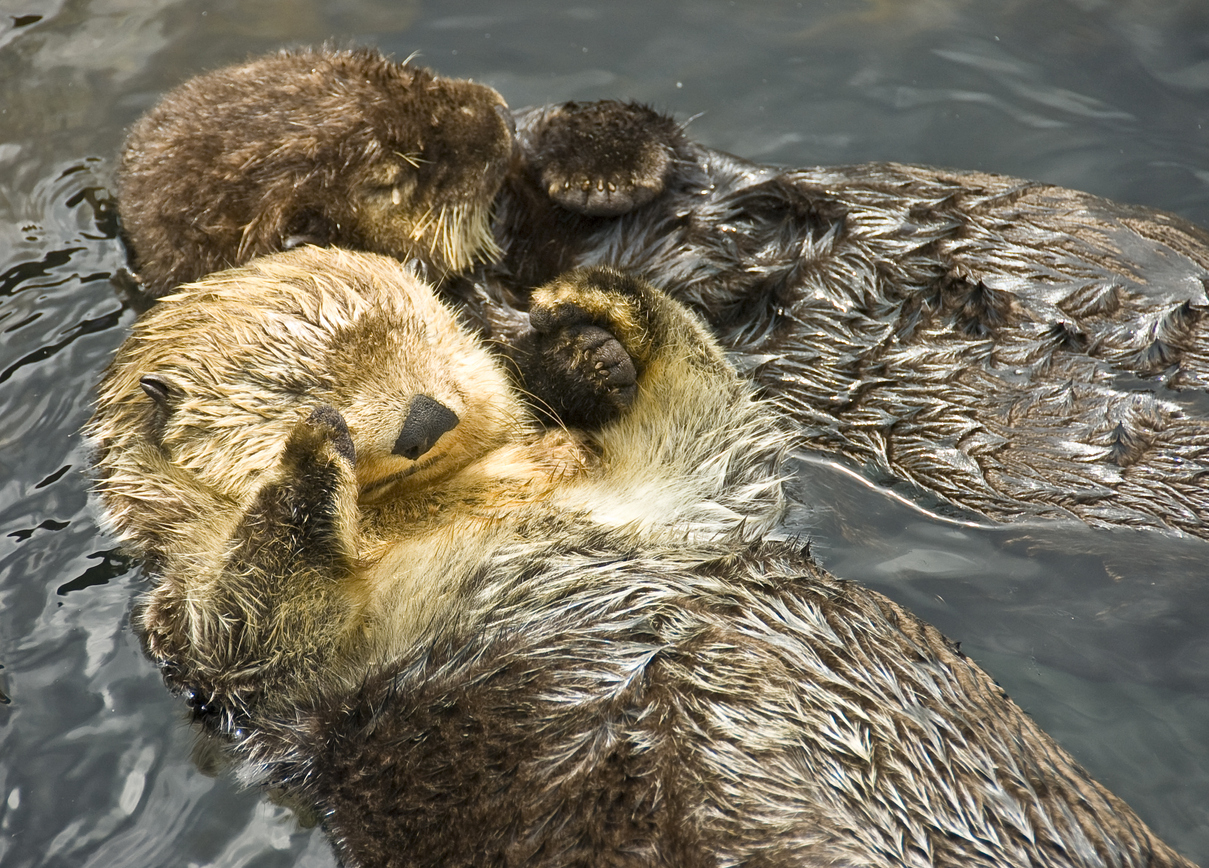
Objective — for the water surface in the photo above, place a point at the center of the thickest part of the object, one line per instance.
(1103, 636)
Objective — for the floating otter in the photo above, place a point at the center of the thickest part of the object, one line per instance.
(327, 147)
(1015, 349)
(200, 410)
(541, 647)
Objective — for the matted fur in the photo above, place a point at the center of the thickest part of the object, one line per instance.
(1016, 349)
(322, 146)
(239, 363)
(564, 648)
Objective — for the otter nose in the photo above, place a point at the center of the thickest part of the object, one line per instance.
(426, 421)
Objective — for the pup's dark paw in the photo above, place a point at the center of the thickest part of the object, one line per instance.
(604, 158)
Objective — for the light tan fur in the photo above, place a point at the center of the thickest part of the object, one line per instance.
(246, 355)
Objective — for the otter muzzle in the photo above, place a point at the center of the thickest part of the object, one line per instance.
(427, 419)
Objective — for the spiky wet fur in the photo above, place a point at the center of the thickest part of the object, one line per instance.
(322, 146)
(569, 649)
(1016, 349)
(195, 481)
(688, 706)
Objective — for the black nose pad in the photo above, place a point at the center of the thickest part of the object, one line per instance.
(426, 421)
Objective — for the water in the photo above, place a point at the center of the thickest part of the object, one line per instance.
(1102, 636)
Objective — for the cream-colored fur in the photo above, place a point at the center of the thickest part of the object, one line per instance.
(241, 360)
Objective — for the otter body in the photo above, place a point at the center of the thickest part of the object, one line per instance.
(335, 377)
(1016, 349)
(532, 646)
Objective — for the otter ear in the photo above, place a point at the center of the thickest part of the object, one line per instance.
(157, 389)
(163, 395)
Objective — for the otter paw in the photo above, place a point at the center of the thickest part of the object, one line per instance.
(612, 300)
(591, 340)
(595, 375)
(605, 158)
(319, 438)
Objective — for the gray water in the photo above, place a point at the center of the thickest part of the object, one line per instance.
(1102, 636)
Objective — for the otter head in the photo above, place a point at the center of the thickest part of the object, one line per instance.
(342, 148)
(422, 169)
(200, 400)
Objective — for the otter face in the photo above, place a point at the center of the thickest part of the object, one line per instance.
(430, 192)
(342, 148)
(201, 399)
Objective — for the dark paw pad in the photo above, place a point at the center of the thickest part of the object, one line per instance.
(605, 159)
(601, 364)
(601, 196)
(577, 374)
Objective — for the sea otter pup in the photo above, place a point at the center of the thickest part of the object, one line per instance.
(326, 147)
(510, 645)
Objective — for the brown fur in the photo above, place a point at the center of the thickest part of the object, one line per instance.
(548, 648)
(327, 147)
(969, 336)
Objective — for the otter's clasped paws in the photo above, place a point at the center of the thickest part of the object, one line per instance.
(605, 158)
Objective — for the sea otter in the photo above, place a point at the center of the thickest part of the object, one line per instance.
(325, 147)
(516, 645)
(1017, 350)
(223, 385)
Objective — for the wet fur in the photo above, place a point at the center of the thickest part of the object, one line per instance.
(221, 474)
(560, 648)
(346, 148)
(1016, 349)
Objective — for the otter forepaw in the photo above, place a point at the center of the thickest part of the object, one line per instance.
(321, 437)
(590, 370)
(604, 158)
(591, 339)
(612, 300)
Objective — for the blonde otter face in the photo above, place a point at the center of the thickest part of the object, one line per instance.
(191, 417)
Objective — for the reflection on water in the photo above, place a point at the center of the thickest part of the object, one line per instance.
(1102, 636)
